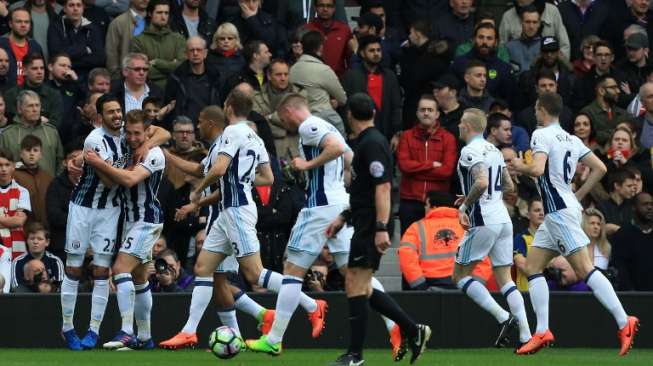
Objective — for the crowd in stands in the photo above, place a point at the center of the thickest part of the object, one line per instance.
(422, 62)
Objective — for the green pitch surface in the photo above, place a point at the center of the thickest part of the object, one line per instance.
(443, 357)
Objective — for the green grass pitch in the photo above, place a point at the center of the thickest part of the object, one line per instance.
(303, 357)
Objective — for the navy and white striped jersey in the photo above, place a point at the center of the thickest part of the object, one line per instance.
(141, 203)
(489, 208)
(325, 184)
(247, 152)
(207, 163)
(91, 192)
(563, 153)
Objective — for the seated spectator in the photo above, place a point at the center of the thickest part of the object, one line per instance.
(191, 20)
(585, 88)
(426, 157)
(164, 48)
(603, 111)
(584, 130)
(336, 36)
(632, 250)
(58, 197)
(99, 81)
(545, 81)
(134, 88)
(525, 49)
(79, 38)
(122, 30)
(51, 103)
(88, 119)
(37, 270)
(475, 93)
(5, 269)
(29, 175)
(445, 90)
(526, 190)
(65, 81)
(253, 23)
(225, 51)
(20, 24)
(170, 275)
(159, 246)
(523, 240)
(428, 247)
(618, 207)
(156, 113)
(584, 62)
(599, 247)
(4, 71)
(28, 122)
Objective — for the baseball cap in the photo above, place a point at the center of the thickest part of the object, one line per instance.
(370, 20)
(637, 41)
(446, 81)
(549, 43)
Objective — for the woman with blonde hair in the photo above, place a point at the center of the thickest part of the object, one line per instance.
(225, 51)
(599, 247)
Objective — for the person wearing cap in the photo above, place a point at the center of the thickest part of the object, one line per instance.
(445, 91)
(524, 51)
(381, 84)
(456, 25)
(510, 27)
(582, 18)
(624, 14)
(636, 63)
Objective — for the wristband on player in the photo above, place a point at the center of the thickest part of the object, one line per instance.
(462, 208)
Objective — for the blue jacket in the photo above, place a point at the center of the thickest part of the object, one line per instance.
(13, 69)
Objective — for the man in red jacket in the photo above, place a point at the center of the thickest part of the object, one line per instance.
(427, 157)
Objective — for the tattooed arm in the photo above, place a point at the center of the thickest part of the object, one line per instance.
(480, 179)
(507, 185)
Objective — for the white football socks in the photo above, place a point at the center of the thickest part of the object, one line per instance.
(603, 291)
(272, 281)
(68, 300)
(539, 293)
(228, 318)
(143, 310)
(287, 302)
(481, 296)
(245, 304)
(126, 296)
(199, 301)
(516, 305)
(99, 300)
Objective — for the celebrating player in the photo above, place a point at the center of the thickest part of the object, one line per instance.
(484, 178)
(555, 156)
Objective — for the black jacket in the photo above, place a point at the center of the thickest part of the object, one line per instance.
(528, 80)
(227, 66)
(56, 202)
(84, 45)
(205, 28)
(263, 27)
(388, 118)
(580, 25)
(177, 89)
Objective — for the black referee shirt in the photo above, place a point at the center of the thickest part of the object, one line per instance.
(372, 165)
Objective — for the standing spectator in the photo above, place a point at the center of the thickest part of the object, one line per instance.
(257, 57)
(195, 83)
(4, 121)
(391, 37)
(121, 30)
(475, 93)
(463, 48)
(646, 120)
(456, 25)
(583, 63)
(78, 37)
(426, 157)
(30, 176)
(4, 22)
(599, 247)
(618, 207)
(545, 81)
(113, 8)
(99, 80)
(584, 88)
(4, 70)
(253, 23)
(50, 269)
(635, 12)
(409, 10)
(603, 111)
(423, 60)
(42, 13)
(318, 79)
(525, 49)
(191, 20)
(368, 25)
(632, 250)
(134, 89)
(57, 199)
(225, 53)
(523, 240)
(445, 90)
(622, 151)
(381, 84)
(519, 137)
(164, 48)
(18, 45)
(28, 122)
(51, 102)
(336, 36)
(552, 25)
(65, 82)
(98, 15)
(583, 18)
(14, 205)
(636, 65)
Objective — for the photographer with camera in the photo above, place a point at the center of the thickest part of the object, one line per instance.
(170, 276)
(37, 270)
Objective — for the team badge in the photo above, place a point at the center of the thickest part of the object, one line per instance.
(376, 169)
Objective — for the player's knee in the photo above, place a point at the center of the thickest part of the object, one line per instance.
(201, 269)
(100, 273)
(74, 272)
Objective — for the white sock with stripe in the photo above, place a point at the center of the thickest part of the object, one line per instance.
(272, 281)
(143, 310)
(603, 291)
(99, 299)
(199, 301)
(538, 290)
(287, 302)
(126, 296)
(517, 308)
(481, 296)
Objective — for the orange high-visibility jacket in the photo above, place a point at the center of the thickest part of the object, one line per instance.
(428, 248)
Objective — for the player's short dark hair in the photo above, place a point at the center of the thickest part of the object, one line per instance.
(551, 103)
(29, 142)
(439, 199)
(104, 99)
(311, 42)
(6, 154)
(494, 120)
(34, 227)
(361, 106)
(213, 113)
(241, 104)
(251, 48)
(619, 176)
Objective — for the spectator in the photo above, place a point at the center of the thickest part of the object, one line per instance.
(4, 20)
(191, 20)
(164, 48)
(545, 81)
(475, 94)
(646, 120)
(525, 49)
(409, 10)
(552, 25)
(622, 151)
(159, 246)
(526, 190)
(428, 247)
(29, 175)
(368, 25)
(99, 16)
(599, 247)
(4, 70)
(121, 30)
(78, 37)
(500, 81)
(286, 141)
(113, 8)
(391, 38)
(38, 270)
(456, 24)
(42, 13)
(14, 205)
(464, 48)
(520, 139)
(18, 45)
(336, 36)
(28, 122)
(184, 146)
(635, 66)
(445, 90)
(156, 113)
(323, 275)
(66, 83)
(583, 129)
(57, 199)
(583, 18)
(585, 88)
(381, 84)
(636, 12)
(5, 269)
(499, 130)
(618, 207)
(88, 119)
(603, 111)
(632, 250)
(320, 82)
(170, 276)
(423, 60)
(523, 241)
(257, 57)
(4, 121)
(134, 89)
(99, 81)
(426, 157)
(225, 54)
(195, 83)
(253, 23)
(584, 62)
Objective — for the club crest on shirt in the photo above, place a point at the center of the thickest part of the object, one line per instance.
(376, 169)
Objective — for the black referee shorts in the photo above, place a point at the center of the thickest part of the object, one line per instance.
(363, 253)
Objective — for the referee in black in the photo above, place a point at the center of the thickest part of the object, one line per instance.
(369, 213)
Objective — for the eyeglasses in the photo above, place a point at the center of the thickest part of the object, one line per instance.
(139, 69)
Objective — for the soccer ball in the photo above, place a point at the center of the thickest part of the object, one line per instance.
(225, 343)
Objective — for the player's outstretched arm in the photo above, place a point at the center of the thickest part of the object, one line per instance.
(217, 170)
(188, 167)
(264, 175)
(597, 171)
(115, 175)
